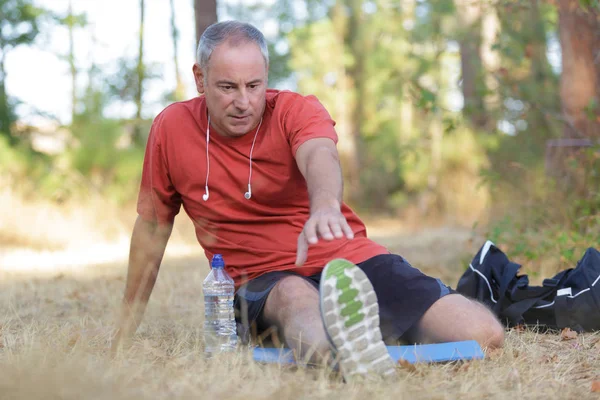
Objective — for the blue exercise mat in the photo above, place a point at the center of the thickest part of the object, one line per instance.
(426, 353)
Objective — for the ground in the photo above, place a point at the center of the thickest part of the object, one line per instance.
(55, 325)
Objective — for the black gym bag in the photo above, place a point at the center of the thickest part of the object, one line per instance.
(571, 299)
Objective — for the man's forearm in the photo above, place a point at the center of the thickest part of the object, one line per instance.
(148, 243)
(324, 179)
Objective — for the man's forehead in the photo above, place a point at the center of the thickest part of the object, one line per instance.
(237, 52)
(234, 63)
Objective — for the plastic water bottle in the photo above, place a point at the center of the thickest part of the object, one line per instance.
(219, 319)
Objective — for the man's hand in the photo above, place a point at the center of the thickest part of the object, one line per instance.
(328, 224)
(126, 327)
(148, 243)
(319, 163)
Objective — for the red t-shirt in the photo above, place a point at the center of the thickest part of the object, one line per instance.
(258, 235)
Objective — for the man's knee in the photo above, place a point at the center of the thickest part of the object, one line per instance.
(489, 334)
(485, 327)
(290, 293)
(455, 317)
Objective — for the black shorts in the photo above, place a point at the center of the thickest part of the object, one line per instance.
(403, 292)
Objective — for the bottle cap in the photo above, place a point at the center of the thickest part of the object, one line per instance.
(217, 261)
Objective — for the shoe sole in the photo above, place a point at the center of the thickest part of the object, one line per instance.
(350, 315)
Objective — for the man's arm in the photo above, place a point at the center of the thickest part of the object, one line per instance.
(319, 162)
(148, 243)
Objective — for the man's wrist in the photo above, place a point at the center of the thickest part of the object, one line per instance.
(324, 203)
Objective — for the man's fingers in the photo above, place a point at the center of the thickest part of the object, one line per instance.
(347, 229)
(336, 228)
(302, 251)
(327, 227)
(324, 230)
(310, 231)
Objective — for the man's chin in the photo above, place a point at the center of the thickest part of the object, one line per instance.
(236, 131)
(239, 129)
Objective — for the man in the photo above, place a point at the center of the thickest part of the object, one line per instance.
(257, 171)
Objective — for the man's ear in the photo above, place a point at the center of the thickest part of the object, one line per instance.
(199, 78)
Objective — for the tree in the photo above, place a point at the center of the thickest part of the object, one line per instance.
(580, 80)
(573, 158)
(469, 13)
(360, 78)
(527, 86)
(490, 58)
(140, 72)
(205, 14)
(72, 21)
(19, 25)
(179, 91)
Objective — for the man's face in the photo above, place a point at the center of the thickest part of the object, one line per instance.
(235, 87)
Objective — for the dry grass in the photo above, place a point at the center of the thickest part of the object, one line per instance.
(54, 340)
(42, 225)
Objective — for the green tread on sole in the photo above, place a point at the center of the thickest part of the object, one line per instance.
(348, 295)
(343, 282)
(354, 319)
(351, 308)
(336, 268)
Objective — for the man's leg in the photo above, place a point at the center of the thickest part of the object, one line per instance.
(293, 307)
(455, 318)
(420, 309)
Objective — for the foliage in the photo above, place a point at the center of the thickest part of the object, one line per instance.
(102, 147)
(19, 25)
(123, 83)
(543, 249)
(390, 75)
(547, 223)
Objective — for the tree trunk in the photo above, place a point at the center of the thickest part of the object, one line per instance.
(5, 111)
(490, 58)
(569, 159)
(71, 59)
(541, 85)
(356, 43)
(473, 86)
(347, 144)
(580, 80)
(179, 89)
(206, 15)
(137, 136)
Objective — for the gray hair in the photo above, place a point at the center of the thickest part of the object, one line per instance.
(234, 31)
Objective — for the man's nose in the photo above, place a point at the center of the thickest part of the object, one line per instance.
(242, 100)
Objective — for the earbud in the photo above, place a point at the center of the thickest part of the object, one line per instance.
(248, 194)
(205, 195)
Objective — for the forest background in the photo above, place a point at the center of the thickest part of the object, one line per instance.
(474, 113)
(459, 121)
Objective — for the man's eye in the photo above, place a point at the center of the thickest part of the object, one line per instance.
(254, 86)
(226, 87)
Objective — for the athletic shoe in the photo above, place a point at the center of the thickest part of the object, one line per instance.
(350, 315)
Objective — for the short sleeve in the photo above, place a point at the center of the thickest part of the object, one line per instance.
(157, 200)
(307, 119)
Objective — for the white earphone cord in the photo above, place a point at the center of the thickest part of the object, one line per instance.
(248, 194)
(206, 194)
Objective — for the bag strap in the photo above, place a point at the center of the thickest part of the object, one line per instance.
(550, 285)
(557, 280)
(525, 299)
(514, 312)
(508, 274)
(532, 292)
